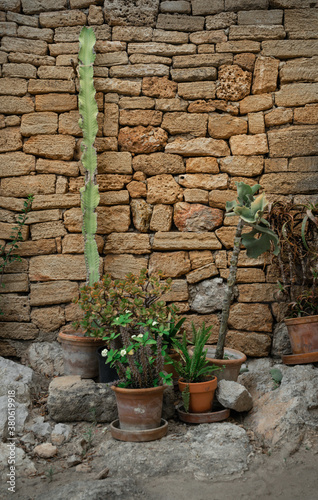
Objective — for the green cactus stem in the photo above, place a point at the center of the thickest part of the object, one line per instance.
(88, 123)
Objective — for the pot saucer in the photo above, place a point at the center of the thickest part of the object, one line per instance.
(300, 359)
(216, 415)
(138, 436)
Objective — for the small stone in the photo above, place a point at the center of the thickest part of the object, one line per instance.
(201, 146)
(234, 83)
(265, 75)
(207, 296)
(137, 189)
(171, 264)
(159, 163)
(73, 460)
(159, 87)
(224, 126)
(234, 396)
(195, 217)
(249, 144)
(163, 189)
(142, 140)
(202, 166)
(141, 214)
(251, 317)
(102, 474)
(161, 219)
(45, 450)
(61, 434)
(120, 265)
(281, 341)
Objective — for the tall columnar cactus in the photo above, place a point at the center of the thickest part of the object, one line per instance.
(88, 123)
(250, 210)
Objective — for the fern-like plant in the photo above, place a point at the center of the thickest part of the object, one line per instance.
(88, 123)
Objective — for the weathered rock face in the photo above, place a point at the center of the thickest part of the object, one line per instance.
(142, 140)
(171, 264)
(141, 214)
(207, 296)
(234, 395)
(122, 12)
(159, 87)
(195, 217)
(163, 189)
(234, 83)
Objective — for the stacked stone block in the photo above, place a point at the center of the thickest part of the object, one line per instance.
(193, 96)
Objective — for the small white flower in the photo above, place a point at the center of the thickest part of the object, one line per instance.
(123, 352)
(154, 323)
(104, 353)
(140, 336)
(127, 311)
(133, 336)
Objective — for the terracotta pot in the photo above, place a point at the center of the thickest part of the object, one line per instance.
(232, 365)
(79, 354)
(201, 394)
(139, 409)
(303, 334)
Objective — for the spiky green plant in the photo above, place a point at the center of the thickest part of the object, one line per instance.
(250, 210)
(88, 123)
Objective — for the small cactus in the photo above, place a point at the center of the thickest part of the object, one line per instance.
(88, 123)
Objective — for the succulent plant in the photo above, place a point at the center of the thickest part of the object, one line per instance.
(88, 123)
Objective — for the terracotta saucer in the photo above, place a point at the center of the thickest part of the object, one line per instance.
(216, 415)
(300, 359)
(138, 436)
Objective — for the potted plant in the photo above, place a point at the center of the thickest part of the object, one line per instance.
(260, 239)
(297, 267)
(79, 351)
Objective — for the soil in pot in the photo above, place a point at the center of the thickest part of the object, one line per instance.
(303, 334)
(107, 374)
(201, 394)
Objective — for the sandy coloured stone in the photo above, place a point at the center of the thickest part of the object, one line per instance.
(132, 33)
(161, 219)
(185, 123)
(111, 182)
(158, 163)
(224, 126)
(293, 141)
(256, 124)
(50, 86)
(196, 217)
(245, 60)
(260, 292)
(196, 196)
(55, 147)
(39, 247)
(163, 189)
(42, 202)
(15, 164)
(48, 319)
(180, 22)
(258, 32)
(307, 115)
(124, 87)
(185, 241)
(193, 74)
(245, 261)
(18, 331)
(242, 166)
(104, 144)
(177, 6)
(74, 243)
(73, 220)
(24, 185)
(175, 104)
(141, 214)
(7, 233)
(139, 71)
(208, 320)
(11, 105)
(121, 243)
(254, 103)
(57, 267)
(113, 219)
(246, 275)
(278, 116)
(11, 44)
(198, 147)
(13, 86)
(302, 164)
(55, 102)
(265, 75)
(35, 59)
(68, 123)
(142, 140)
(161, 49)
(95, 15)
(136, 103)
(159, 87)
(120, 265)
(7, 28)
(55, 73)
(171, 264)
(202, 273)
(111, 116)
(58, 19)
(70, 169)
(289, 49)
(290, 182)
(15, 308)
(276, 165)
(111, 59)
(211, 36)
(253, 344)
(112, 162)
(140, 117)
(13, 70)
(220, 21)
(253, 17)
(37, 6)
(251, 317)
(104, 46)
(21, 19)
(43, 216)
(203, 165)
(297, 70)
(197, 90)
(199, 60)
(218, 199)
(38, 123)
(169, 36)
(45, 34)
(177, 292)
(204, 181)
(238, 47)
(11, 120)
(233, 83)
(297, 94)
(200, 258)
(51, 229)
(137, 189)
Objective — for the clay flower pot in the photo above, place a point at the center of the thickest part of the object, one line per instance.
(303, 334)
(201, 394)
(232, 364)
(139, 409)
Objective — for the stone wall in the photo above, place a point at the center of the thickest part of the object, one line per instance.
(193, 96)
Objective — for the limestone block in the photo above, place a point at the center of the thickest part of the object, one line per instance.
(74, 243)
(122, 12)
(55, 73)
(18, 331)
(55, 147)
(180, 22)
(224, 126)
(104, 46)
(199, 60)
(139, 70)
(259, 33)
(245, 60)
(169, 36)
(158, 163)
(196, 196)
(256, 124)
(185, 241)
(234, 395)
(139, 117)
(113, 219)
(238, 46)
(55, 102)
(13, 70)
(48, 319)
(42, 202)
(21, 19)
(171, 264)
(198, 147)
(36, 6)
(289, 49)
(95, 15)
(161, 219)
(254, 17)
(202, 165)
(195, 217)
(35, 59)
(200, 258)
(15, 308)
(13, 86)
(242, 166)
(6, 231)
(68, 123)
(132, 33)
(265, 75)
(208, 319)
(16, 164)
(45, 34)
(11, 44)
(161, 49)
(163, 189)
(278, 116)
(207, 297)
(249, 145)
(38, 123)
(53, 292)
(111, 116)
(220, 21)
(136, 103)
(14, 283)
(10, 121)
(106, 182)
(245, 275)
(58, 19)
(185, 123)
(202, 273)
(57, 267)
(120, 265)
(218, 199)
(24, 185)
(236, 5)
(261, 292)
(43, 216)
(275, 165)
(251, 343)
(299, 70)
(112, 162)
(49, 86)
(141, 215)
(120, 243)
(307, 115)
(197, 90)
(142, 140)
(297, 94)
(200, 7)
(159, 87)
(308, 164)
(301, 20)
(111, 59)
(204, 181)
(39, 247)
(254, 103)
(123, 87)
(293, 141)
(137, 189)
(292, 182)
(193, 74)
(7, 28)
(45, 230)
(234, 83)
(203, 37)
(251, 317)
(171, 104)
(11, 105)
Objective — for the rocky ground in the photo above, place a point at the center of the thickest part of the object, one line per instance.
(270, 451)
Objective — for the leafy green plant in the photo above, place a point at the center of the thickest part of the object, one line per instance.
(277, 377)
(88, 123)
(186, 398)
(194, 367)
(50, 474)
(260, 239)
